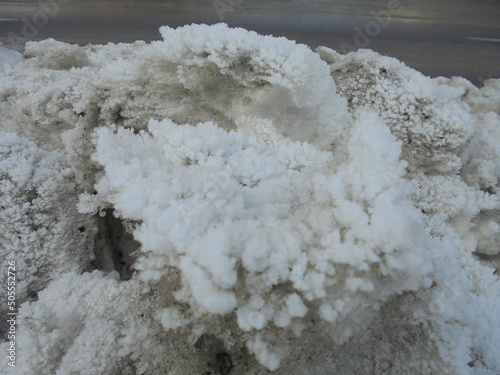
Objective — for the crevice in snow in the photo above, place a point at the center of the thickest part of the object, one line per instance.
(115, 246)
(218, 359)
(489, 260)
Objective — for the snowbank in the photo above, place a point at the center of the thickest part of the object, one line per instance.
(297, 212)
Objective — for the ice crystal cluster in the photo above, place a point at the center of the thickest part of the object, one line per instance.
(282, 209)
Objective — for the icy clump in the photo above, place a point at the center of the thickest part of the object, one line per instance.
(281, 226)
(428, 118)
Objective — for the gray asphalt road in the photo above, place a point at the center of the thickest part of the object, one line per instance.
(437, 37)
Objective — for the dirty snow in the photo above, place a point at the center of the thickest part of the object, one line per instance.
(298, 211)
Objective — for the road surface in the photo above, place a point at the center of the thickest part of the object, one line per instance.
(437, 37)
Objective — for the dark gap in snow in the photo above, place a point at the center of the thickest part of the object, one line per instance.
(114, 246)
(490, 260)
(489, 190)
(487, 257)
(218, 359)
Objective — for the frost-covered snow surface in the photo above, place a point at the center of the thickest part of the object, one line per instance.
(282, 209)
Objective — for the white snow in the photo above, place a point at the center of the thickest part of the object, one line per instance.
(40, 227)
(297, 211)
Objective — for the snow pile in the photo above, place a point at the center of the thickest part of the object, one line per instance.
(296, 212)
(449, 135)
(286, 230)
(196, 74)
(40, 227)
